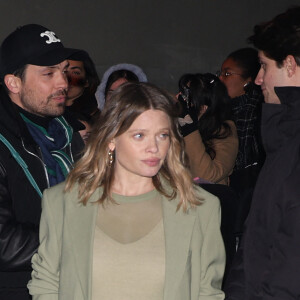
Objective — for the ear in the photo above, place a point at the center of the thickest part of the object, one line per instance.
(202, 111)
(290, 65)
(13, 83)
(204, 108)
(112, 145)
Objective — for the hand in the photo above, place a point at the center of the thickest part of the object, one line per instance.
(188, 119)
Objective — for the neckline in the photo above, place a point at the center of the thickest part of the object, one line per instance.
(139, 240)
(138, 198)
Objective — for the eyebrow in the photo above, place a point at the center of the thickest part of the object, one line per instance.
(75, 67)
(140, 129)
(137, 129)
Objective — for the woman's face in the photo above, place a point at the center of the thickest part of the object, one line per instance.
(85, 133)
(142, 149)
(114, 86)
(231, 76)
(77, 80)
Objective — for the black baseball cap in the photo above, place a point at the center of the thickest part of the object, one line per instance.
(31, 44)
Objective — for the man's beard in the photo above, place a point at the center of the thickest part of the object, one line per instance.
(44, 109)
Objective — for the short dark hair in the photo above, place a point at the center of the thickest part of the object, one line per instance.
(21, 72)
(279, 37)
(247, 60)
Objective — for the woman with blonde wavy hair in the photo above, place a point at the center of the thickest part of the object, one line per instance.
(129, 223)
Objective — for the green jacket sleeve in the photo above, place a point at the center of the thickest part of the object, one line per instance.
(44, 284)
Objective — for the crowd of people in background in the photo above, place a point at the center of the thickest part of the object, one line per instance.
(118, 189)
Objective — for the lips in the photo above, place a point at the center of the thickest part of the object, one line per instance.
(151, 162)
(60, 98)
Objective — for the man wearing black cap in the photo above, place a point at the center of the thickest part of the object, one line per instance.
(38, 144)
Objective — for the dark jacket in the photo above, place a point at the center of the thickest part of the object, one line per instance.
(20, 204)
(268, 262)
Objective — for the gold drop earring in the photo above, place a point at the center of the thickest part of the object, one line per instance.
(110, 157)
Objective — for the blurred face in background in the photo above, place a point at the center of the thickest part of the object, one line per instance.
(77, 80)
(85, 133)
(114, 86)
(231, 76)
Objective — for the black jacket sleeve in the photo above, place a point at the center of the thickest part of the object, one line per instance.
(18, 241)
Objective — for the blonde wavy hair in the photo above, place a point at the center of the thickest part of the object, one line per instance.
(126, 104)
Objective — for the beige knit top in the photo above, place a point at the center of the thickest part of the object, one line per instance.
(129, 249)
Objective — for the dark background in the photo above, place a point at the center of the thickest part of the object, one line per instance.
(165, 38)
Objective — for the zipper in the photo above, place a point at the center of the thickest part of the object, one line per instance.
(71, 154)
(40, 159)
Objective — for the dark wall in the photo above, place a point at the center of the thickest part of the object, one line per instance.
(166, 38)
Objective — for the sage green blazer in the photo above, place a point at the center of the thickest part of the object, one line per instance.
(62, 268)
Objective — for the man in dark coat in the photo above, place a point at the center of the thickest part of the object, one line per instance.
(267, 265)
(38, 145)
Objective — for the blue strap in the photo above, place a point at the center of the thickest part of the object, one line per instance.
(22, 163)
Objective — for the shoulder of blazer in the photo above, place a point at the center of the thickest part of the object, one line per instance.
(57, 192)
(206, 196)
(208, 203)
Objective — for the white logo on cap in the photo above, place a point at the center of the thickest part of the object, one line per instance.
(51, 36)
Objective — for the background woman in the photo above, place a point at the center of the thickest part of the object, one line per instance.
(210, 136)
(114, 77)
(238, 73)
(83, 82)
(130, 210)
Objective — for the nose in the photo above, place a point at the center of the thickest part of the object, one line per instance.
(152, 145)
(259, 77)
(62, 80)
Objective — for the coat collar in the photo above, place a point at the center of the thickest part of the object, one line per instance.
(178, 226)
(80, 221)
(288, 94)
(280, 122)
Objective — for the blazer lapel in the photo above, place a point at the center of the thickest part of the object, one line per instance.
(80, 221)
(178, 228)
